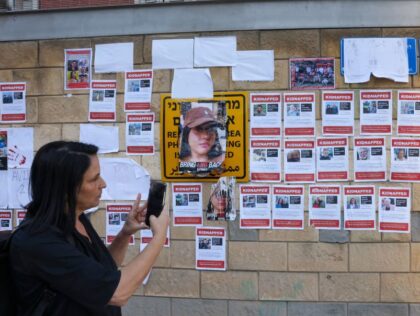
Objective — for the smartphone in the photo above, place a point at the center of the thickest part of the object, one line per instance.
(156, 200)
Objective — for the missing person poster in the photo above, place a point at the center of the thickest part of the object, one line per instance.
(338, 113)
(299, 161)
(312, 73)
(332, 159)
(369, 159)
(359, 207)
(405, 160)
(265, 160)
(210, 248)
(408, 122)
(13, 102)
(77, 68)
(102, 101)
(299, 114)
(138, 90)
(146, 236)
(116, 216)
(139, 134)
(19, 217)
(209, 142)
(394, 210)
(187, 204)
(325, 206)
(265, 113)
(375, 112)
(287, 207)
(6, 220)
(255, 206)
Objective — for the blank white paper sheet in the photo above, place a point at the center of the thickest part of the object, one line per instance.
(172, 54)
(254, 65)
(116, 57)
(192, 83)
(215, 51)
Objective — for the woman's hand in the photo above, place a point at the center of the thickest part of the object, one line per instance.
(159, 225)
(136, 217)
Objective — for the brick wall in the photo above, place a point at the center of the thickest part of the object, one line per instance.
(270, 272)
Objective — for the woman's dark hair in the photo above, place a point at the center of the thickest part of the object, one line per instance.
(56, 176)
(185, 151)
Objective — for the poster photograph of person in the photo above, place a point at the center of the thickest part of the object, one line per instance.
(325, 206)
(369, 156)
(312, 73)
(210, 248)
(202, 144)
(405, 160)
(287, 207)
(255, 206)
(299, 114)
(265, 114)
(13, 102)
(187, 204)
(394, 206)
(338, 113)
(265, 160)
(299, 161)
(77, 68)
(375, 112)
(359, 207)
(116, 216)
(102, 101)
(408, 115)
(332, 159)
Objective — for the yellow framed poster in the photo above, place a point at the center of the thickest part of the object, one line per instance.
(224, 117)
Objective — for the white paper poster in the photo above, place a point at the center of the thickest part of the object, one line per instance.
(338, 113)
(265, 160)
(19, 216)
(105, 137)
(369, 159)
(172, 53)
(332, 159)
(192, 83)
(375, 112)
(265, 114)
(13, 102)
(359, 207)
(138, 90)
(102, 100)
(325, 206)
(408, 122)
(20, 147)
(139, 134)
(187, 204)
(299, 161)
(210, 248)
(146, 236)
(299, 114)
(115, 57)
(18, 188)
(124, 179)
(116, 216)
(405, 160)
(6, 220)
(255, 206)
(394, 210)
(288, 207)
(215, 51)
(254, 65)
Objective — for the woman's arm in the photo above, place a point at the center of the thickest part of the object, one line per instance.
(133, 274)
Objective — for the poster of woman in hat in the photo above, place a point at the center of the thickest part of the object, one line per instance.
(203, 138)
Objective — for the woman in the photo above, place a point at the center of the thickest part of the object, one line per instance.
(200, 139)
(352, 204)
(57, 251)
